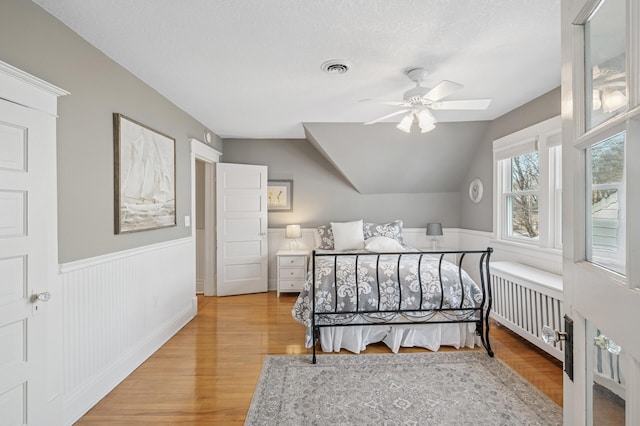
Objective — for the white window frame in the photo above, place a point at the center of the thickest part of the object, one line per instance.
(543, 137)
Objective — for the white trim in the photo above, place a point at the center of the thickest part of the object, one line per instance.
(77, 265)
(23, 89)
(546, 135)
(525, 140)
(201, 151)
(31, 80)
(204, 151)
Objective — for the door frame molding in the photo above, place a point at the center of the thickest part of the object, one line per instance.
(209, 156)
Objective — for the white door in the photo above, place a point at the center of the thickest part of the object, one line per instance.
(601, 243)
(28, 260)
(242, 228)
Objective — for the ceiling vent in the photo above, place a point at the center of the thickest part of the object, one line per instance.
(335, 66)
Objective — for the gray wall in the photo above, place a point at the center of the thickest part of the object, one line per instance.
(480, 216)
(321, 194)
(380, 159)
(35, 42)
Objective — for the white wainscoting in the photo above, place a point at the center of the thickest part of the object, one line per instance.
(453, 239)
(200, 235)
(118, 310)
(414, 237)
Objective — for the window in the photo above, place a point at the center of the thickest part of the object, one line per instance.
(521, 198)
(528, 176)
(606, 194)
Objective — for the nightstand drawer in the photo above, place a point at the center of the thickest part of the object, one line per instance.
(289, 273)
(286, 285)
(292, 260)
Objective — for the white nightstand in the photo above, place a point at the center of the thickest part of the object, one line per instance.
(292, 269)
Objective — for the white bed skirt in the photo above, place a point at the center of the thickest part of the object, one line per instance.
(429, 336)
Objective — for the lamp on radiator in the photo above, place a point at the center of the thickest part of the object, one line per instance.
(293, 232)
(434, 230)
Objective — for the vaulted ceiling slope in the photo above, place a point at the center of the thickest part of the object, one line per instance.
(251, 68)
(379, 159)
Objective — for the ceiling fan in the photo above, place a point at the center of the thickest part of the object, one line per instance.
(418, 102)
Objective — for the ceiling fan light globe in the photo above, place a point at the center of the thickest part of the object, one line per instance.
(427, 128)
(405, 123)
(425, 118)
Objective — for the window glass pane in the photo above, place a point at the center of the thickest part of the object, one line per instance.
(522, 216)
(605, 72)
(606, 208)
(525, 170)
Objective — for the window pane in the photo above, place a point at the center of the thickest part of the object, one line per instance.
(522, 216)
(605, 52)
(525, 170)
(607, 201)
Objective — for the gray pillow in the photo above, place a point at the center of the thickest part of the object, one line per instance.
(389, 230)
(325, 237)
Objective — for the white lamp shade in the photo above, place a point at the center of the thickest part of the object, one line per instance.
(293, 231)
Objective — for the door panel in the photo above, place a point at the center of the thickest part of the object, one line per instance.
(242, 228)
(601, 201)
(27, 216)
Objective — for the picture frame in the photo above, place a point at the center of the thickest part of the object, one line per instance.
(280, 195)
(144, 177)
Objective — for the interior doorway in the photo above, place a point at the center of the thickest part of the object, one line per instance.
(203, 205)
(200, 225)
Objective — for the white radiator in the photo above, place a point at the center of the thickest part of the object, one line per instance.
(525, 299)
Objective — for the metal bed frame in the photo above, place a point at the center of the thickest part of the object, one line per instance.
(463, 315)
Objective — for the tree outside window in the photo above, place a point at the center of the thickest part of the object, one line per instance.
(522, 197)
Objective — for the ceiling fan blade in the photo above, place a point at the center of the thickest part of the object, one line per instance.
(384, 117)
(476, 104)
(443, 89)
(373, 101)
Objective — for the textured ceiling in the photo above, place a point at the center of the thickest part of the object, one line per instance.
(251, 68)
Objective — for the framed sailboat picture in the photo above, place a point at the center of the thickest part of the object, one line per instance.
(145, 177)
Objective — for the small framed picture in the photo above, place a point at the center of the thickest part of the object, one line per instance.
(280, 195)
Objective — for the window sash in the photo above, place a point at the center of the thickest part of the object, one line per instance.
(545, 138)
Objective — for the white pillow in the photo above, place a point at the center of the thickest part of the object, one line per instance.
(382, 244)
(348, 235)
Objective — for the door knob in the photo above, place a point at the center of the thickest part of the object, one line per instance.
(41, 297)
(550, 336)
(604, 342)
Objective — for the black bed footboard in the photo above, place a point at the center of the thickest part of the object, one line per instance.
(356, 289)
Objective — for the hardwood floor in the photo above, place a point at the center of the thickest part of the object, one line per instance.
(207, 372)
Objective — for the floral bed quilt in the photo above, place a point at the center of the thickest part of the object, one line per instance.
(390, 287)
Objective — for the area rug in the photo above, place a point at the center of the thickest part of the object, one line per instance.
(447, 388)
